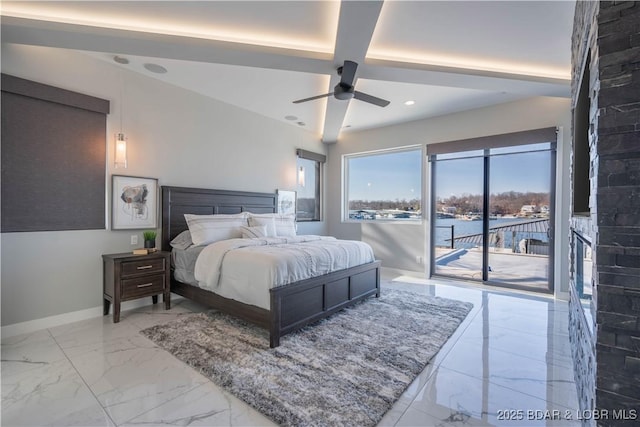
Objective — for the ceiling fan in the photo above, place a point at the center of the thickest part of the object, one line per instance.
(345, 91)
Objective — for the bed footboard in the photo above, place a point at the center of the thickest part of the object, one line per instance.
(297, 305)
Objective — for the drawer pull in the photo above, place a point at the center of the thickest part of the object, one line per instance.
(145, 285)
(145, 267)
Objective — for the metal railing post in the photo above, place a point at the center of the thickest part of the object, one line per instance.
(452, 241)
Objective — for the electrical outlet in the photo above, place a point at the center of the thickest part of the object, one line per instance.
(134, 240)
(419, 259)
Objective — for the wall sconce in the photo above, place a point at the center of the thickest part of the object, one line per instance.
(120, 160)
(121, 151)
(301, 176)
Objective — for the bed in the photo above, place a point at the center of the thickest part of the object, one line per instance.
(290, 307)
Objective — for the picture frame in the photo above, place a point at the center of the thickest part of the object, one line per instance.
(286, 202)
(134, 202)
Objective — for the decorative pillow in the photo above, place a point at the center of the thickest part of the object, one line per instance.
(284, 224)
(267, 222)
(254, 232)
(207, 229)
(182, 240)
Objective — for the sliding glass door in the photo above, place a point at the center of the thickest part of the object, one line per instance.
(459, 194)
(492, 213)
(520, 195)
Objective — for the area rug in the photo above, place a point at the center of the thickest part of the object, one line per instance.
(348, 369)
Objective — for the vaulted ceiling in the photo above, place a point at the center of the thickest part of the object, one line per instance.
(261, 55)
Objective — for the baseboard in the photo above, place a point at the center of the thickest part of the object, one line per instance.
(74, 316)
(389, 271)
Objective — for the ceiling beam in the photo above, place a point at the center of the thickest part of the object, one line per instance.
(467, 78)
(356, 24)
(140, 43)
(349, 45)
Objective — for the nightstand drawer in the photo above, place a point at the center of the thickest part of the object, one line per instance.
(143, 286)
(143, 266)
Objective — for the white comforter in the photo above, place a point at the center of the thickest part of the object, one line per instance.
(245, 269)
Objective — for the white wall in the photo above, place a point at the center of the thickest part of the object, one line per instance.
(180, 137)
(398, 244)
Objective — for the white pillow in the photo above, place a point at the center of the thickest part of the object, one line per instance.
(182, 240)
(207, 229)
(267, 222)
(284, 224)
(254, 232)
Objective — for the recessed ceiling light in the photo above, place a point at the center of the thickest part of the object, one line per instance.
(121, 60)
(290, 118)
(155, 68)
(301, 123)
(409, 102)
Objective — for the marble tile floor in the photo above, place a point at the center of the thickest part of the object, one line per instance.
(509, 363)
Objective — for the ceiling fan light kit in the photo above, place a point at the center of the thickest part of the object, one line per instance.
(344, 90)
(343, 93)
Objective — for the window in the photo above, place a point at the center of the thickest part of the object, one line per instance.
(309, 167)
(383, 185)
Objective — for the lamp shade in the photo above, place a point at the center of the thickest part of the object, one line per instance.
(121, 151)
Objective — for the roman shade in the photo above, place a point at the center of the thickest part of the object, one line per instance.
(53, 158)
(494, 141)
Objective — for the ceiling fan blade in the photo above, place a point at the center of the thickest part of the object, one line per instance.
(348, 73)
(371, 99)
(312, 98)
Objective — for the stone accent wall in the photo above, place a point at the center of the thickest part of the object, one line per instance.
(611, 30)
(618, 208)
(583, 342)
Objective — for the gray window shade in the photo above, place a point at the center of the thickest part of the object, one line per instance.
(309, 155)
(494, 141)
(53, 158)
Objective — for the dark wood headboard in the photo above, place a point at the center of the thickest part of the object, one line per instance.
(177, 201)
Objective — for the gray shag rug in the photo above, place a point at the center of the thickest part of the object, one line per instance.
(348, 369)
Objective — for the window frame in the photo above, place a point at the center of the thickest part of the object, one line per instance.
(319, 160)
(344, 214)
(492, 146)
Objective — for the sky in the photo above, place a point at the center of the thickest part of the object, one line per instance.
(387, 176)
(397, 175)
(524, 172)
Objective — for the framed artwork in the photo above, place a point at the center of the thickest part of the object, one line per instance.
(134, 202)
(286, 202)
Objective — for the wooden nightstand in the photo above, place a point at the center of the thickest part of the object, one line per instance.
(127, 277)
